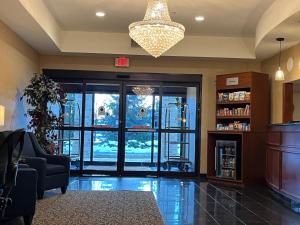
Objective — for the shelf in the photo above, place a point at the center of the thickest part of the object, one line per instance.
(227, 178)
(234, 103)
(233, 117)
(228, 167)
(228, 155)
(250, 113)
(229, 132)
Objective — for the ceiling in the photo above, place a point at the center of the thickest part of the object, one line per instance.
(223, 18)
(289, 29)
(244, 29)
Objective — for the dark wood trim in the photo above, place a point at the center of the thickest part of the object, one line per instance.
(287, 102)
(80, 75)
(282, 171)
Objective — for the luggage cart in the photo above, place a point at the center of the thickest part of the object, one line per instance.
(66, 139)
(177, 150)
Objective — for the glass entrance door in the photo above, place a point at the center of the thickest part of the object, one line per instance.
(141, 127)
(131, 127)
(101, 127)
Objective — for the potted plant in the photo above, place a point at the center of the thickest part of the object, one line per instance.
(39, 95)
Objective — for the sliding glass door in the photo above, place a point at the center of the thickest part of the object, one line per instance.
(141, 127)
(128, 128)
(101, 127)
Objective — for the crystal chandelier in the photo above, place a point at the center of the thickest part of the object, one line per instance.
(157, 33)
(143, 90)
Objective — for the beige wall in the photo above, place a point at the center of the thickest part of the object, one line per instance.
(270, 66)
(208, 67)
(18, 62)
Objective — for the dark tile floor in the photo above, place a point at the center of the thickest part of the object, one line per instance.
(190, 202)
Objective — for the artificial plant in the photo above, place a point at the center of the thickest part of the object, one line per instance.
(40, 94)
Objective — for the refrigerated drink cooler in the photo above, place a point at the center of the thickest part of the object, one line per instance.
(227, 160)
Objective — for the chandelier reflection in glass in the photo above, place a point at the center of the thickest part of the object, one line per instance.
(157, 33)
(143, 90)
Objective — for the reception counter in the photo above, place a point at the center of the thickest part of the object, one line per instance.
(283, 159)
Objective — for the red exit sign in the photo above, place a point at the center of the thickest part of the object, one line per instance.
(122, 62)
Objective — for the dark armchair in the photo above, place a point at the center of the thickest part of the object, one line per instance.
(53, 171)
(17, 182)
(23, 196)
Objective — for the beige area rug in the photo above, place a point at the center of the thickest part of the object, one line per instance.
(99, 208)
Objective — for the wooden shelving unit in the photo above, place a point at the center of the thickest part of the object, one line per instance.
(233, 103)
(233, 117)
(243, 121)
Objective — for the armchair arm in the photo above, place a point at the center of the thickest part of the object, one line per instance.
(24, 194)
(59, 160)
(40, 165)
(22, 166)
(37, 163)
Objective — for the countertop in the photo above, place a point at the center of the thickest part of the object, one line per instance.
(293, 123)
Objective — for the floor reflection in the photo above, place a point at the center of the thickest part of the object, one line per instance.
(189, 202)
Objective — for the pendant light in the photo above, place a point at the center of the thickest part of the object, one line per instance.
(279, 76)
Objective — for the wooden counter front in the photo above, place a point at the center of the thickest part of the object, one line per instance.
(283, 160)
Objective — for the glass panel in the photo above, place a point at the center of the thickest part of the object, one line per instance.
(142, 111)
(178, 152)
(88, 120)
(103, 154)
(87, 146)
(179, 108)
(102, 106)
(69, 143)
(106, 110)
(141, 151)
(55, 108)
(72, 110)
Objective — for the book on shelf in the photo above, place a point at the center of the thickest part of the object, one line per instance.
(235, 126)
(234, 111)
(234, 96)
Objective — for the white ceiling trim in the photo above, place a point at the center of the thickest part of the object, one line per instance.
(41, 14)
(191, 46)
(280, 20)
(278, 12)
(14, 15)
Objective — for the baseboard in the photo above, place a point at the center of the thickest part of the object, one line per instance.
(203, 177)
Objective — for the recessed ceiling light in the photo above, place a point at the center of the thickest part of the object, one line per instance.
(100, 14)
(199, 18)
